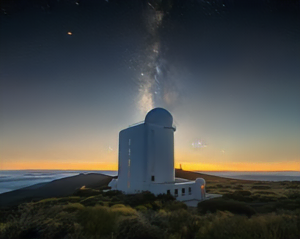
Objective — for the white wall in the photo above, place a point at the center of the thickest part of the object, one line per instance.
(132, 159)
(160, 154)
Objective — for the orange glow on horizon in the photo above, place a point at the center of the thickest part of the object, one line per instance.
(243, 166)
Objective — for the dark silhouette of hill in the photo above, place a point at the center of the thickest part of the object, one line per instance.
(57, 188)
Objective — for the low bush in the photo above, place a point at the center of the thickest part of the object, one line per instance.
(261, 187)
(121, 209)
(235, 207)
(72, 207)
(139, 199)
(175, 205)
(92, 201)
(239, 195)
(165, 198)
(224, 191)
(265, 192)
(34, 221)
(238, 187)
(86, 192)
(184, 224)
(262, 226)
(141, 208)
(137, 228)
(112, 193)
(97, 220)
(293, 194)
(288, 204)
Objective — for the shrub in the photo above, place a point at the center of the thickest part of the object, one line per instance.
(293, 194)
(97, 220)
(156, 205)
(2, 227)
(225, 191)
(214, 205)
(262, 226)
(120, 209)
(48, 201)
(181, 223)
(261, 187)
(112, 193)
(175, 205)
(141, 208)
(137, 228)
(165, 198)
(86, 192)
(239, 195)
(139, 199)
(238, 187)
(42, 222)
(72, 207)
(111, 204)
(92, 201)
(118, 206)
(115, 199)
(178, 218)
(267, 198)
(265, 192)
(288, 204)
(148, 206)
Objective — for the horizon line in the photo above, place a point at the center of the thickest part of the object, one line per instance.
(174, 168)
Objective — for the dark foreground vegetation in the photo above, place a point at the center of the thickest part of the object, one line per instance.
(247, 210)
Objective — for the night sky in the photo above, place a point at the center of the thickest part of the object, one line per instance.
(75, 73)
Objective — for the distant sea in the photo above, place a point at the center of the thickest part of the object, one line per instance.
(258, 176)
(11, 180)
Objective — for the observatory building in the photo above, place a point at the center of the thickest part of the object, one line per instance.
(146, 160)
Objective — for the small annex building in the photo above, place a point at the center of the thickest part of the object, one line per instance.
(146, 160)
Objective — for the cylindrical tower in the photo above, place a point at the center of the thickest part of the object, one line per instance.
(160, 146)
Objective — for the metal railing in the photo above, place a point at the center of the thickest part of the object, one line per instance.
(142, 122)
(138, 123)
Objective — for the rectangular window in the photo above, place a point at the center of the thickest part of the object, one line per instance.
(152, 178)
(183, 191)
(129, 141)
(128, 162)
(176, 192)
(129, 151)
(168, 192)
(190, 191)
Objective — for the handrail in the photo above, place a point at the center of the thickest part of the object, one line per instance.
(141, 122)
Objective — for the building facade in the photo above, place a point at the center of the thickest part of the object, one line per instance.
(146, 160)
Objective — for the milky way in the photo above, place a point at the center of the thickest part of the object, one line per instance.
(154, 82)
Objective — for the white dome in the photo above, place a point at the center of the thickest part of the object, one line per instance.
(159, 116)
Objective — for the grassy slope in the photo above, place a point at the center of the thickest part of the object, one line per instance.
(93, 213)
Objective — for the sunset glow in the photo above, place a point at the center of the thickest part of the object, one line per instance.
(230, 81)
